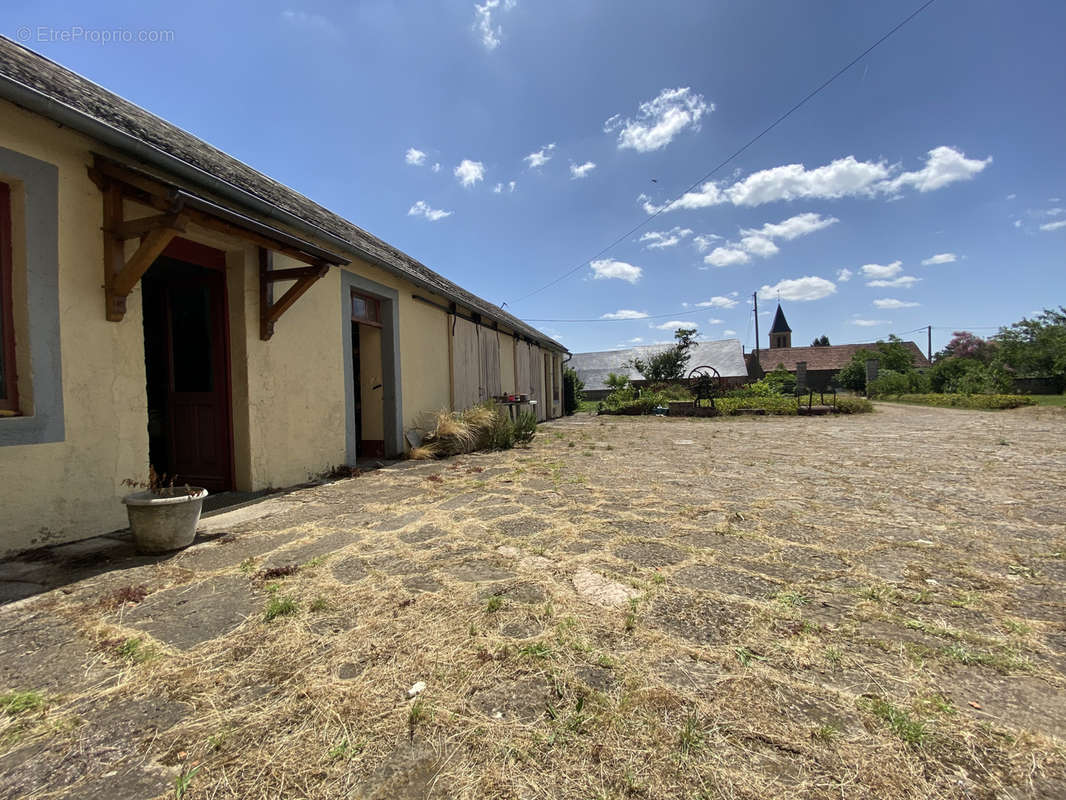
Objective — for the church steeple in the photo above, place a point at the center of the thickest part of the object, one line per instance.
(780, 333)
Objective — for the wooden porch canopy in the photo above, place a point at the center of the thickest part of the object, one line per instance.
(177, 209)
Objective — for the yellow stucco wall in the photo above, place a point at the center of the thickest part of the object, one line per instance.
(70, 489)
(288, 393)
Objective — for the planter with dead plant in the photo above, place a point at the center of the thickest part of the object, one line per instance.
(163, 517)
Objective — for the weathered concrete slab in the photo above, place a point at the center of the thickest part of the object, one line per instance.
(189, 615)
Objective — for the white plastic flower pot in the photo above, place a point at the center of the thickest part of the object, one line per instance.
(166, 521)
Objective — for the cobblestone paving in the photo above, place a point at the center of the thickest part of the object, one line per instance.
(867, 606)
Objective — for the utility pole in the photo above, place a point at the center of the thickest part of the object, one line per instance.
(755, 303)
(929, 342)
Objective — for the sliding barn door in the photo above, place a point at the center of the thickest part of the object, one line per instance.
(466, 364)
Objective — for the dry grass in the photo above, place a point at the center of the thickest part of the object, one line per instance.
(802, 667)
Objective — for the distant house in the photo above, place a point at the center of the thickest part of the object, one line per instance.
(822, 363)
(726, 356)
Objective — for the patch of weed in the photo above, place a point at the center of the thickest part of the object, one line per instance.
(914, 732)
(15, 703)
(135, 651)
(279, 607)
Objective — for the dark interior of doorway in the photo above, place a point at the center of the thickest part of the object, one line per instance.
(187, 374)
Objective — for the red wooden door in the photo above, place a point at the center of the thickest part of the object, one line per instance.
(198, 413)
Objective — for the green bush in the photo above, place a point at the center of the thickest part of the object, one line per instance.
(987, 402)
(854, 405)
(525, 427)
(573, 391)
(966, 376)
(500, 434)
(891, 382)
(670, 391)
(626, 402)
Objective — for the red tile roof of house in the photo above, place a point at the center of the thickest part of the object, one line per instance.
(833, 357)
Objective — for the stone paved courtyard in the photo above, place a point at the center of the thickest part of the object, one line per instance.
(867, 606)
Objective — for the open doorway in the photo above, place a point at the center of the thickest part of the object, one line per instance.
(186, 353)
(367, 378)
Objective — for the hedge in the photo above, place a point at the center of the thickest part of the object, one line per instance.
(984, 402)
(731, 406)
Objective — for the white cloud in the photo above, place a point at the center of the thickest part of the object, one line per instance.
(436, 167)
(1017, 223)
(414, 157)
(727, 332)
(902, 282)
(717, 302)
(1053, 226)
(870, 323)
(891, 302)
(939, 258)
(490, 34)
(422, 209)
(659, 120)
(759, 246)
(497, 188)
(609, 268)
(1011, 196)
(844, 177)
(511, 186)
(844, 274)
(793, 227)
(539, 158)
(625, 313)
(1055, 212)
(657, 240)
(636, 340)
(715, 321)
(581, 170)
(470, 172)
(881, 271)
(704, 241)
(726, 257)
(673, 325)
(1054, 199)
(799, 289)
(944, 166)
(760, 241)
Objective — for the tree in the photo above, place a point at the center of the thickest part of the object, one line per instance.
(892, 355)
(573, 390)
(1036, 347)
(821, 341)
(964, 344)
(669, 365)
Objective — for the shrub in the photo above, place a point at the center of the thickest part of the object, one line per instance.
(668, 365)
(525, 427)
(891, 382)
(483, 427)
(573, 391)
(986, 402)
(671, 391)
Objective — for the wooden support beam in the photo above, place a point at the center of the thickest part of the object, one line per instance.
(136, 228)
(269, 311)
(120, 275)
(293, 294)
(151, 248)
(293, 274)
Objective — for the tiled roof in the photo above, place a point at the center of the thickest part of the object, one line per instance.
(832, 357)
(67, 91)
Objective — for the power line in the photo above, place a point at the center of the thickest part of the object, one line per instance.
(811, 95)
(625, 319)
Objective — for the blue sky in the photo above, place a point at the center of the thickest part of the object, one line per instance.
(945, 146)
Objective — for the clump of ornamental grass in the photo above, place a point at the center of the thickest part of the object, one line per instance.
(482, 427)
